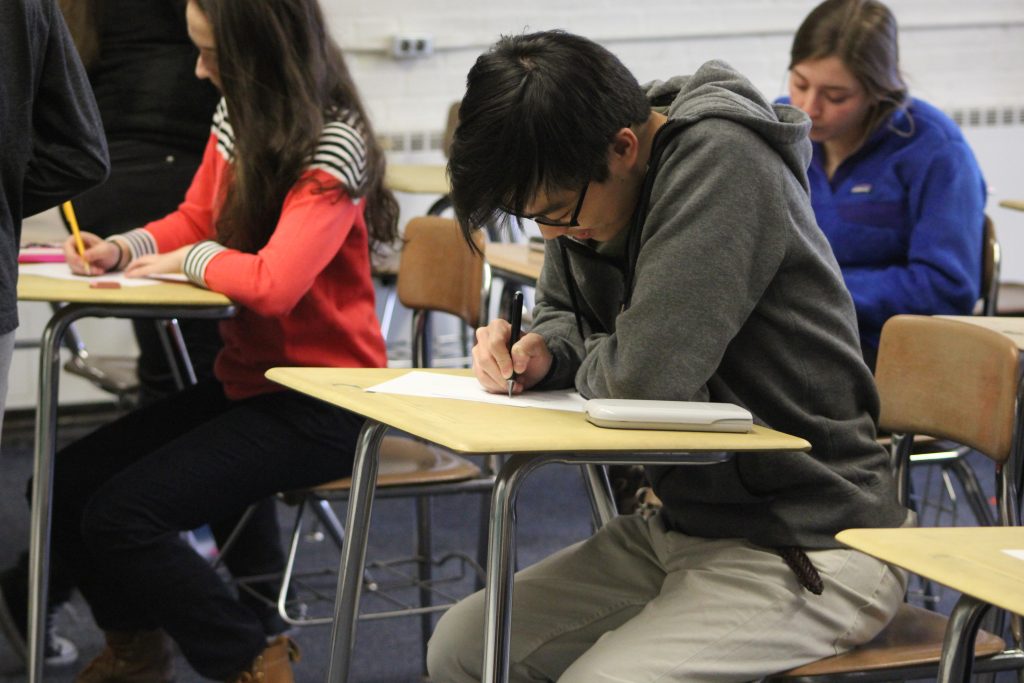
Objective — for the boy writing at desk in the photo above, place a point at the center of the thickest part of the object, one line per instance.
(683, 262)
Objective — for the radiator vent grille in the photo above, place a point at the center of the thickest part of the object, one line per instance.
(966, 117)
(976, 117)
(413, 141)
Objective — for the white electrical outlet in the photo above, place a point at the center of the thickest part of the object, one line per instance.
(411, 46)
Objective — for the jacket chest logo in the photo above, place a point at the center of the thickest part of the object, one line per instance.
(861, 188)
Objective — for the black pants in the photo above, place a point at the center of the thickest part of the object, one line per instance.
(123, 494)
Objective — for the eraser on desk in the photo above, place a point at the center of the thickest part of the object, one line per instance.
(105, 284)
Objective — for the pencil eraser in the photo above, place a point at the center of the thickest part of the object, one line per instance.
(105, 284)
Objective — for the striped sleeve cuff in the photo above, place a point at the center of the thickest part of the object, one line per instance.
(140, 242)
(198, 258)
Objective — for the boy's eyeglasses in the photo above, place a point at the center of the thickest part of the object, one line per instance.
(573, 221)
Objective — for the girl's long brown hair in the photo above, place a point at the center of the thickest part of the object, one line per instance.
(282, 76)
(864, 36)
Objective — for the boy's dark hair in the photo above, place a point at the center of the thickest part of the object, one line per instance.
(539, 113)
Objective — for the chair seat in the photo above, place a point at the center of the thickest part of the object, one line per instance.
(913, 638)
(406, 462)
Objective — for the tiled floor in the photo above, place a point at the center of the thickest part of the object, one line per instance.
(554, 513)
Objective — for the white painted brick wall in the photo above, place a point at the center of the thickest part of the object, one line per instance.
(956, 53)
(959, 54)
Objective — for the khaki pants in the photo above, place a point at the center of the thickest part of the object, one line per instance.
(638, 603)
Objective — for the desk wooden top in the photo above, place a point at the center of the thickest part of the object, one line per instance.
(1017, 204)
(471, 427)
(1012, 327)
(38, 288)
(417, 178)
(515, 261)
(967, 559)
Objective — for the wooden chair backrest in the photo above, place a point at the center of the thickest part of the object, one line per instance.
(439, 272)
(951, 380)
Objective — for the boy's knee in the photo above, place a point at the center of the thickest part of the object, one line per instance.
(455, 651)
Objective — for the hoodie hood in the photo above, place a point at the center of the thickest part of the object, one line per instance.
(716, 90)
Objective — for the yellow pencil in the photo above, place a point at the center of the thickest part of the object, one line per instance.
(69, 214)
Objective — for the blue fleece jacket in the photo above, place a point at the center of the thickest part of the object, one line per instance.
(905, 218)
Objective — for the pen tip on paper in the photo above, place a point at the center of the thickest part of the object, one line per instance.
(511, 384)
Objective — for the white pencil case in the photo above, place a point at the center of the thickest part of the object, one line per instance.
(694, 416)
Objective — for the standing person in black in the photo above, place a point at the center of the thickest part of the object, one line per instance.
(50, 133)
(157, 117)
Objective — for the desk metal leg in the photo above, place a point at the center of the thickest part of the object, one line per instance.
(353, 553)
(958, 644)
(42, 484)
(46, 446)
(500, 551)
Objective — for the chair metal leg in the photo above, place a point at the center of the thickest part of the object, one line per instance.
(957, 656)
(178, 359)
(425, 554)
(289, 567)
(482, 541)
(235, 533)
(389, 311)
(440, 206)
(965, 474)
(420, 339)
(325, 513)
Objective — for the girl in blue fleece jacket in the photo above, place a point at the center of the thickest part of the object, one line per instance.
(894, 185)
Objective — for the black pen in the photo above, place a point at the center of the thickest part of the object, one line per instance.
(515, 317)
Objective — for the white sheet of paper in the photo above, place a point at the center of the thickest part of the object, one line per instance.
(468, 389)
(61, 271)
(1019, 554)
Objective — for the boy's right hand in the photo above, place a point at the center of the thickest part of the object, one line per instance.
(493, 365)
(100, 255)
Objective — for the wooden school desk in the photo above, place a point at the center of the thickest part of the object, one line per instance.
(531, 436)
(164, 300)
(1011, 326)
(514, 262)
(417, 178)
(968, 560)
(420, 179)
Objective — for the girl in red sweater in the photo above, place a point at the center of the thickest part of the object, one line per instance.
(280, 218)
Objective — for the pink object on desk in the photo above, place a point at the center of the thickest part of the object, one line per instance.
(41, 255)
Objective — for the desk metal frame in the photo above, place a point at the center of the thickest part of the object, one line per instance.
(46, 440)
(501, 542)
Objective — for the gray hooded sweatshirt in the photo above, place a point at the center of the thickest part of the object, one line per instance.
(735, 296)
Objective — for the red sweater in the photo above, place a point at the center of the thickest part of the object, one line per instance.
(306, 298)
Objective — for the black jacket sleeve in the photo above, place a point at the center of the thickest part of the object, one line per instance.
(69, 150)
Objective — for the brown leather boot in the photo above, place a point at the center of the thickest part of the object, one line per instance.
(131, 657)
(273, 665)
